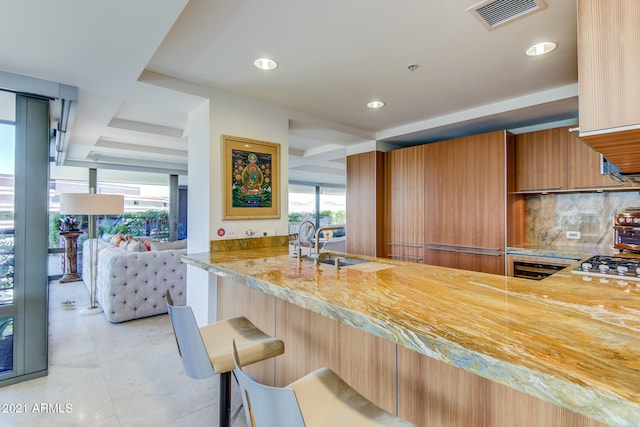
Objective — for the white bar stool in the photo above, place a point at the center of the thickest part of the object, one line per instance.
(209, 350)
(320, 398)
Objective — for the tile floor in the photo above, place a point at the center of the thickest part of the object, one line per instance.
(127, 374)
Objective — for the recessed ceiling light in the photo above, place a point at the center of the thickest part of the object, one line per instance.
(265, 64)
(541, 48)
(375, 104)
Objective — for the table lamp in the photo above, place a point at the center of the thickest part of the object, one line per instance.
(92, 204)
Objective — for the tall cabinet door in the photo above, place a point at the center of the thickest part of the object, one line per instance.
(365, 203)
(405, 198)
(465, 203)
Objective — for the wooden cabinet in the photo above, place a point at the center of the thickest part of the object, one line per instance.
(608, 70)
(365, 204)
(466, 202)
(583, 167)
(557, 160)
(541, 160)
(405, 197)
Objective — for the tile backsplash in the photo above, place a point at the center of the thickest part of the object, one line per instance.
(550, 216)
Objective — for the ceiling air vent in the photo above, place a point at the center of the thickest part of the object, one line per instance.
(493, 13)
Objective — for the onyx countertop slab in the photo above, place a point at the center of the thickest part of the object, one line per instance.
(567, 340)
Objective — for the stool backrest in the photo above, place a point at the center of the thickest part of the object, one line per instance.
(266, 406)
(195, 358)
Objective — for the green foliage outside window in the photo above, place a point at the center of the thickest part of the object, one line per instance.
(6, 261)
(154, 223)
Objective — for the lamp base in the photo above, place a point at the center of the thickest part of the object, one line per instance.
(90, 310)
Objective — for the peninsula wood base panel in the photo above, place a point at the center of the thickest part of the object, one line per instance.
(366, 362)
(429, 392)
(432, 393)
(239, 300)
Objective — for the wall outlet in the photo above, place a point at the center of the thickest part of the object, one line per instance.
(573, 234)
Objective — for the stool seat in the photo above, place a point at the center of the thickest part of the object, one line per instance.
(325, 399)
(209, 350)
(253, 344)
(320, 398)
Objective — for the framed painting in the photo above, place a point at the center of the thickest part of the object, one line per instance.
(251, 178)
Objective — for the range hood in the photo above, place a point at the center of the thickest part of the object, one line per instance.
(615, 173)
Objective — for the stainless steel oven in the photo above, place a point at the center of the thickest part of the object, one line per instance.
(535, 268)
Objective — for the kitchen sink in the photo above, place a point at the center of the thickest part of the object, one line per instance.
(330, 259)
(344, 261)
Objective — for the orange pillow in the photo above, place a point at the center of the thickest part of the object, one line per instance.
(117, 239)
(147, 244)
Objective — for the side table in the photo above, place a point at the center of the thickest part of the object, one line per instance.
(71, 254)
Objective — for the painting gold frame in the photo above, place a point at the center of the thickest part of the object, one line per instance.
(250, 178)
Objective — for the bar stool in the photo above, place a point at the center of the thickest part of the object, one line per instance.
(320, 398)
(208, 350)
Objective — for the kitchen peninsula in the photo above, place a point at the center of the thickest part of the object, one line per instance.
(445, 346)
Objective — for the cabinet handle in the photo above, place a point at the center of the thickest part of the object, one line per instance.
(584, 187)
(540, 189)
(462, 251)
(407, 257)
(406, 245)
(465, 249)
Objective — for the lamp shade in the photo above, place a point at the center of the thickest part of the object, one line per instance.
(91, 204)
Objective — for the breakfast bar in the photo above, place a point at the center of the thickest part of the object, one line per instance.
(442, 346)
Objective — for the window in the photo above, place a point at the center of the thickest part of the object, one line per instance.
(322, 205)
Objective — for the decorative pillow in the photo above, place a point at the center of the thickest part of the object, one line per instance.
(147, 244)
(123, 244)
(164, 246)
(115, 240)
(136, 246)
(107, 237)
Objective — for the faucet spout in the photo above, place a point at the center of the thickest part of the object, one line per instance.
(318, 231)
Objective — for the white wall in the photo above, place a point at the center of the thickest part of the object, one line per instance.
(201, 286)
(223, 114)
(247, 119)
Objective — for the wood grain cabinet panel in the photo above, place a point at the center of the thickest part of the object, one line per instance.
(541, 160)
(432, 393)
(312, 341)
(558, 160)
(608, 64)
(583, 167)
(466, 200)
(609, 88)
(493, 263)
(365, 204)
(259, 308)
(404, 207)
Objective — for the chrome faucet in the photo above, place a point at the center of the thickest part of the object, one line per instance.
(303, 234)
(316, 256)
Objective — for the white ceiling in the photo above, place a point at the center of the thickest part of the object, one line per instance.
(334, 57)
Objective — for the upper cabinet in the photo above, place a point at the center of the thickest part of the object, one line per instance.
(541, 159)
(583, 167)
(608, 70)
(557, 160)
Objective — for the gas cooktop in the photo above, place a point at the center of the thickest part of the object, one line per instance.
(611, 267)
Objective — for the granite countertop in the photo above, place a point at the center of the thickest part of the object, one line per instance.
(568, 340)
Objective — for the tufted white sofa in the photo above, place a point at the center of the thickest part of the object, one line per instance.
(131, 285)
